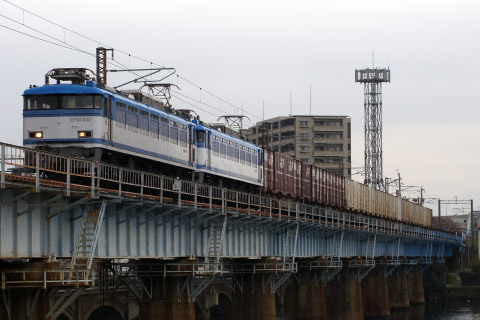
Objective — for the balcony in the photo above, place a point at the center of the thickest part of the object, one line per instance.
(328, 165)
(289, 153)
(328, 140)
(317, 127)
(320, 153)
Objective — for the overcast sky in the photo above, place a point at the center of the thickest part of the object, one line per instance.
(250, 52)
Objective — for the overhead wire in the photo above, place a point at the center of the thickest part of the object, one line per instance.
(44, 40)
(120, 65)
(66, 45)
(77, 33)
(173, 94)
(206, 104)
(116, 50)
(215, 96)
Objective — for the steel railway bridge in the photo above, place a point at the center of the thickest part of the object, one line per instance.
(96, 224)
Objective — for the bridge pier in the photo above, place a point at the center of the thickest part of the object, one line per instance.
(415, 287)
(376, 303)
(255, 302)
(165, 302)
(344, 297)
(306, 300)
(28, 303)
(22, 306)
(398, 290)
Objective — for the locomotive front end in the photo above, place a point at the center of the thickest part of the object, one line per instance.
(65, 118)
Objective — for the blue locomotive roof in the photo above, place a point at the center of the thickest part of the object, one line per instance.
(63, 89)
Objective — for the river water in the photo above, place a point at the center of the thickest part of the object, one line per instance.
(442, 310)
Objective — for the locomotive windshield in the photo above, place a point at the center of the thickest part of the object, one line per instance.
(49, 102)
(200, 136)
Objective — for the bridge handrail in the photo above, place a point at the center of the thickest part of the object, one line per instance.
(162, 188)
(45, 277)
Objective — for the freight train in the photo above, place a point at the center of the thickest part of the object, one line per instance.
(85, 120)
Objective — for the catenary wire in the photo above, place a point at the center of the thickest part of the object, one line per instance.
(125, 53)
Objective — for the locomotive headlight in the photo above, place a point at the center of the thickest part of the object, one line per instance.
(84, 134)
(36, 134)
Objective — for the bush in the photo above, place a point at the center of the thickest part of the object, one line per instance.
(475, 267)
(451, 278)
(435, 279)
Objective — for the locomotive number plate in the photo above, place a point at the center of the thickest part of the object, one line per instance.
(81, 119)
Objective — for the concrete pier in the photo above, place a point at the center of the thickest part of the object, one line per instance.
(253, 303)
(167, 306)
(306, 301)
(23, 304)
(415, 287)
(344, 297)
(376, 303)
(398, 290)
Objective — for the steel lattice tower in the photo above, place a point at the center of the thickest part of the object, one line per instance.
(372, 80)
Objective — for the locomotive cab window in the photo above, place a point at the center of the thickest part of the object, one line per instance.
(40, 102)
(81, 102)
(49, 102)
(200, 136)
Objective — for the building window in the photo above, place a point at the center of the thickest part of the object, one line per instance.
(335, 171)
(304, 148)
(287, 135)
(303, 123)
(329, 134)
(329, 147)
(327, 159)
(275, 125)
(304, 160)
(331, 123)
(303, 136)
(288, 147)
(287, 122)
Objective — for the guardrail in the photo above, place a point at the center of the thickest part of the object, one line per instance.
(47, 277)
(46, 169)
(198, 268)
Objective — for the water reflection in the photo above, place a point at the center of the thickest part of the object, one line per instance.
(412, 313)
(442, 310)
(453, 310)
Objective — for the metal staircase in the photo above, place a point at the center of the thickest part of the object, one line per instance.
(369, 262)
(394, 261)
(334, 263)
(216, 239)
(290, 249)
(86, 240)
(396, 250)
(370, 252)
(336, 249)
(441, 251)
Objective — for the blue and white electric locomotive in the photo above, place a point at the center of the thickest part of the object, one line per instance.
(83, 120)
